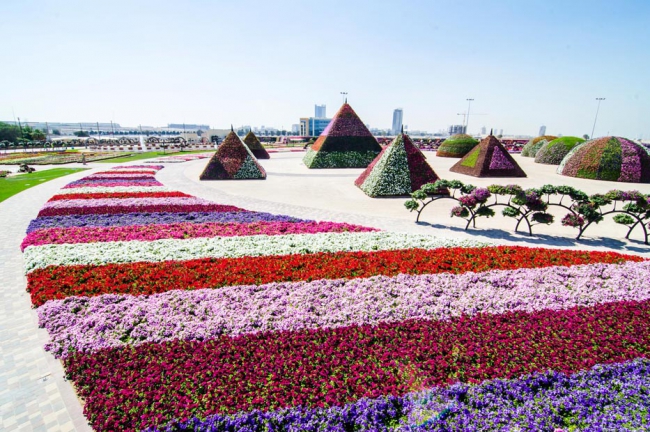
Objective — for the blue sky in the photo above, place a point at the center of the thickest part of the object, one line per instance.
(525, 62)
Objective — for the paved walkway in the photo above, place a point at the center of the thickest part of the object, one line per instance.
(330, 194)
(33, 393)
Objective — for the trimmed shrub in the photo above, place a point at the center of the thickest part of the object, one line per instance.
(608, 158)
(532, 146)
(456, 146)
(554, 151)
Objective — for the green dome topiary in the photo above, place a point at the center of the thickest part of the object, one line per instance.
(532, 146)
(608, 158)
(456, 146)
(554, 151)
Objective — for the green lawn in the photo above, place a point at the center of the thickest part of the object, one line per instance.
(17, 183)
(149, 155)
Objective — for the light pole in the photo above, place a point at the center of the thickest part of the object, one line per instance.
(469, 104)
(596, 118)
(344, 96)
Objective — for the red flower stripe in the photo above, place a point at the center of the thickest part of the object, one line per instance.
(183, 230)
(151, 384)
(119, 195)
(153, 208)
(58, 282)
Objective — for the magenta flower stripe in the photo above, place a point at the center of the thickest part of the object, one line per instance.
(180, 231)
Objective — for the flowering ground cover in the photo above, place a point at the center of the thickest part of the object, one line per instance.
(175, 313)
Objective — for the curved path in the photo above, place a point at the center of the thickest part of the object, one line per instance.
(34, 395)
(33, 392)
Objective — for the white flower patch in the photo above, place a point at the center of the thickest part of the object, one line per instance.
(250, 169)
(114, 189)
(229, 247)
(390, 176)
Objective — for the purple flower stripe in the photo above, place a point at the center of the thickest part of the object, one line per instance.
(89, 324)
(604, 398)
(126, 202)
(105, 220)
(630, 162)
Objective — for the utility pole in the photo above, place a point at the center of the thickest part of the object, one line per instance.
(112, 130)
(344, 96)
(98, 137)
(21, 128)
(469, 104)
(596, 118)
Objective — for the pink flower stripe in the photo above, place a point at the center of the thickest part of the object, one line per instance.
(139, 208)
(121, 176)
(180, 231)
(109, 183)
(131, 167)
(119, 172)
(125, 202)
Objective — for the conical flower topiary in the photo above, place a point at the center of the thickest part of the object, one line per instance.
(488, 159)
(456, 146)
(554, 151)
(532, 146)
(400, 168)
(345, 143)
(255, 146)
(608, 158)
(233, 161)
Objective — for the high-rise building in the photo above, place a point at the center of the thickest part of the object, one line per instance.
(319, 111)
(398, 115)
(457, 129)
(483, 131)
(500, 132)
(542, 130)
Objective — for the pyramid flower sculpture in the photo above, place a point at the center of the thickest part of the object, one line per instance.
(456, 146)
(345, 143)
(233, 161)
(488, 159)
(399, 169)
(255, 146)
(608, 158)
(532, 146)
(553, 152)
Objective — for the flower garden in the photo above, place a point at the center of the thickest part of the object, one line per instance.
(171, 312)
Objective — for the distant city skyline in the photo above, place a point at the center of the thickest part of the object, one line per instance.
(101, 61)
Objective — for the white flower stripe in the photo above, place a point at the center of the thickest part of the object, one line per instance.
(114, 189)
(229, 247)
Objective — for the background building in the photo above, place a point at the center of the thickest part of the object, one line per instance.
(311, 126)
(398, 116)
(542, 130)
(457, 129)
(319, 111)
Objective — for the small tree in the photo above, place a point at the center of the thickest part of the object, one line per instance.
(82, 134)
(585, 136)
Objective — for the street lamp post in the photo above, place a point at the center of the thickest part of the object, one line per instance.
(469, 104)
(596, 118)
(344, 96)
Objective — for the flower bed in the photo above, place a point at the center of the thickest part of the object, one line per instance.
(174, 317)
(56, 282)
(336, 366)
